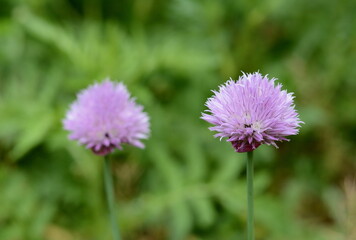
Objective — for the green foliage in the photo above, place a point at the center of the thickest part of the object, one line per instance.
(185, 184)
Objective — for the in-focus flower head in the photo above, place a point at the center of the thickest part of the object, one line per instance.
(104, 116)
(252, 111)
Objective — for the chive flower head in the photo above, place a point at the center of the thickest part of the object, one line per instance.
(104, 116)
(252, 111)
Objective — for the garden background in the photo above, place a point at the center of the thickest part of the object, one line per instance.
(185, 184)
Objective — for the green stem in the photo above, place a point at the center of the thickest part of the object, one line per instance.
(109, 189)
(250, 221)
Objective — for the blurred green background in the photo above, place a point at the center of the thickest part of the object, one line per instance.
(185, 184)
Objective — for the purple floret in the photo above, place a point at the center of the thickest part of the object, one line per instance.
(104, 116)
(252, 111)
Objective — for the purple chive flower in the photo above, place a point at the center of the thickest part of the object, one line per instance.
(252, 111)
(104, 116)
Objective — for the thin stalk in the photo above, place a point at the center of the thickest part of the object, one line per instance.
(109, 189)
(250, 220)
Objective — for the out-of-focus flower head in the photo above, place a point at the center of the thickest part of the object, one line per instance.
(252, 111)
(104, 116)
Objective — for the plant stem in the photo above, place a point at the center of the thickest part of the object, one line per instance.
(250, 221)
(109, 189)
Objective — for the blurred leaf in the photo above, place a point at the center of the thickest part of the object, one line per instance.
(34, 132)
